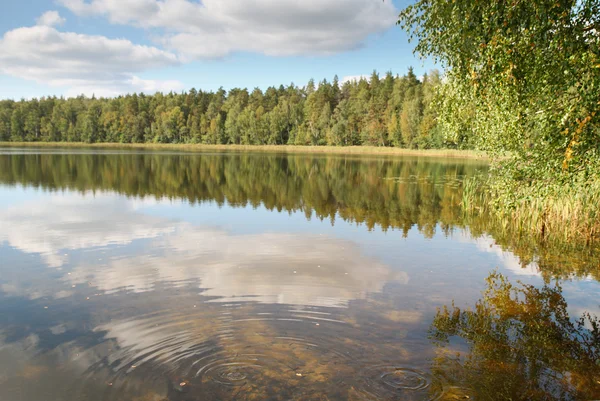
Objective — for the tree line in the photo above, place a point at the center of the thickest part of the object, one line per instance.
(378, 111)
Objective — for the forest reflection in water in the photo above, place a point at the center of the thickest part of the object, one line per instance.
(156, 276)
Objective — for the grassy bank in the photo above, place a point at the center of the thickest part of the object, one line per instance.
(350, 150)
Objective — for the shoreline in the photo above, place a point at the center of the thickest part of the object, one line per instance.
(339, 150)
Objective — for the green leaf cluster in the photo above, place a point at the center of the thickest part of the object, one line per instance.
(524, 78)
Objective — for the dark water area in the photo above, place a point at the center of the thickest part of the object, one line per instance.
(155, 276)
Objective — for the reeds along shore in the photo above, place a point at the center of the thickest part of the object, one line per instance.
(566, 215)
(349, 150)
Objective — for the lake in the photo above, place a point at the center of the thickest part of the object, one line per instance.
(155, 276)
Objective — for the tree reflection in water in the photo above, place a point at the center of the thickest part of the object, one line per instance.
(522, 346)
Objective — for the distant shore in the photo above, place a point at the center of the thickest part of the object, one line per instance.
(342, 150)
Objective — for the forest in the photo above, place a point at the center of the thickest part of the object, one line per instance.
(521, 82)
(391, 110)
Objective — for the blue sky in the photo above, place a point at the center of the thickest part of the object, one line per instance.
(107, 47)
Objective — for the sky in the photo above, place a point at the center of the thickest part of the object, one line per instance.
(112, 47)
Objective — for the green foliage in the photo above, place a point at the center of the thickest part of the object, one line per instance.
(357, 113)
(530, 70)
(523, 84)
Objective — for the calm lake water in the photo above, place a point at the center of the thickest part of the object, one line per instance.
(155, 276)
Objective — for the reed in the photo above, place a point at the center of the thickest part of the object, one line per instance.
(343, 150)
(554, 213)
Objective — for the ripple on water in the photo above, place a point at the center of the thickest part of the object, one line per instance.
(254, 349)
(234, 371)
(385, 382)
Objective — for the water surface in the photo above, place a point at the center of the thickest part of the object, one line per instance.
(216, 276)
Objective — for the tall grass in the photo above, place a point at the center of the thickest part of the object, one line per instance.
(554, 213)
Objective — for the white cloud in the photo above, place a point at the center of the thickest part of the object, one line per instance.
(354, 78)
(297, 269)
(266, 268)
(151, 86)
(184, 30)
(215, 28)
(130, 85)
(50, 18)
(67, 223)
(82, 63)
(508, 260)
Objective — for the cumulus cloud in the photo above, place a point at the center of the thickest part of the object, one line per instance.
(215, 28)
(67, 223)
(50, 18)
(298, 269)
(183, 30)
(84, 63)
(295, 269)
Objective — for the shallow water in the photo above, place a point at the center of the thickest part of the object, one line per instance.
(166, 276)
